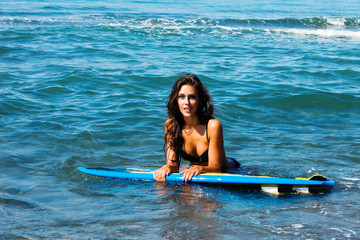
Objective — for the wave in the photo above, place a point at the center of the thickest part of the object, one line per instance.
(326, 33)
(316, 26)
(314, 22)
(328, 28)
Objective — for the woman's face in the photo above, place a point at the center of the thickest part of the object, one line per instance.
(188, 100)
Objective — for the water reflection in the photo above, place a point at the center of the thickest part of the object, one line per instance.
(193, 211)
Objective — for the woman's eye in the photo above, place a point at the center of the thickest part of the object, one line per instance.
(192, 97)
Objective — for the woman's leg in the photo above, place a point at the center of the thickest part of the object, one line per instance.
(232, 163)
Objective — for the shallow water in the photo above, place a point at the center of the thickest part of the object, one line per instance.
(85, 84)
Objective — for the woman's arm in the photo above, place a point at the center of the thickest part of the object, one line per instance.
(216, 152)
(172, 164)
(216, 147)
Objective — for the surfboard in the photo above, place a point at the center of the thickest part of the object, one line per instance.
(314, 184)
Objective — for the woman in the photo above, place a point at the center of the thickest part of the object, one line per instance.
(191, 132)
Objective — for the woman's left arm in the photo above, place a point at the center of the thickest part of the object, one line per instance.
(216, 147)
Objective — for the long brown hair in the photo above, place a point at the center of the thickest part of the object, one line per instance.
(175, 123)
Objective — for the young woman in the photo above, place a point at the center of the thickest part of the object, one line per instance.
(191, 132)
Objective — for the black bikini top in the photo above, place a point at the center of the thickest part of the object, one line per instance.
(203, 158)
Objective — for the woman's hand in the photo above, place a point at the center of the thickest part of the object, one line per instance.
(161, 173)
(189, 173)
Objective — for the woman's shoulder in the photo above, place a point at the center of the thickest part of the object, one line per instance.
(214, 124)
(215, 129)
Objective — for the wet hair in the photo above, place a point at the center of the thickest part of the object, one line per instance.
(175, 123)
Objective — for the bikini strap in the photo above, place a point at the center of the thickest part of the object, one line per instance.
(207, 137)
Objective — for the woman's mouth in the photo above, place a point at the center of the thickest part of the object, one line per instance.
(187, 109)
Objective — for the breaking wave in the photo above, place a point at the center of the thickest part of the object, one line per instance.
(316, 26)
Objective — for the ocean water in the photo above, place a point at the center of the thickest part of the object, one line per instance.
(85, 83)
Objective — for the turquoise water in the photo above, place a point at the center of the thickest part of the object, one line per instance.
(85, 84)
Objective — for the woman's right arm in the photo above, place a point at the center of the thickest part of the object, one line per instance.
(172, 164)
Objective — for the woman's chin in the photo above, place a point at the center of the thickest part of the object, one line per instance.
(187, 115)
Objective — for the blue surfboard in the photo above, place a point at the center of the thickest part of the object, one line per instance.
(314, 184)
